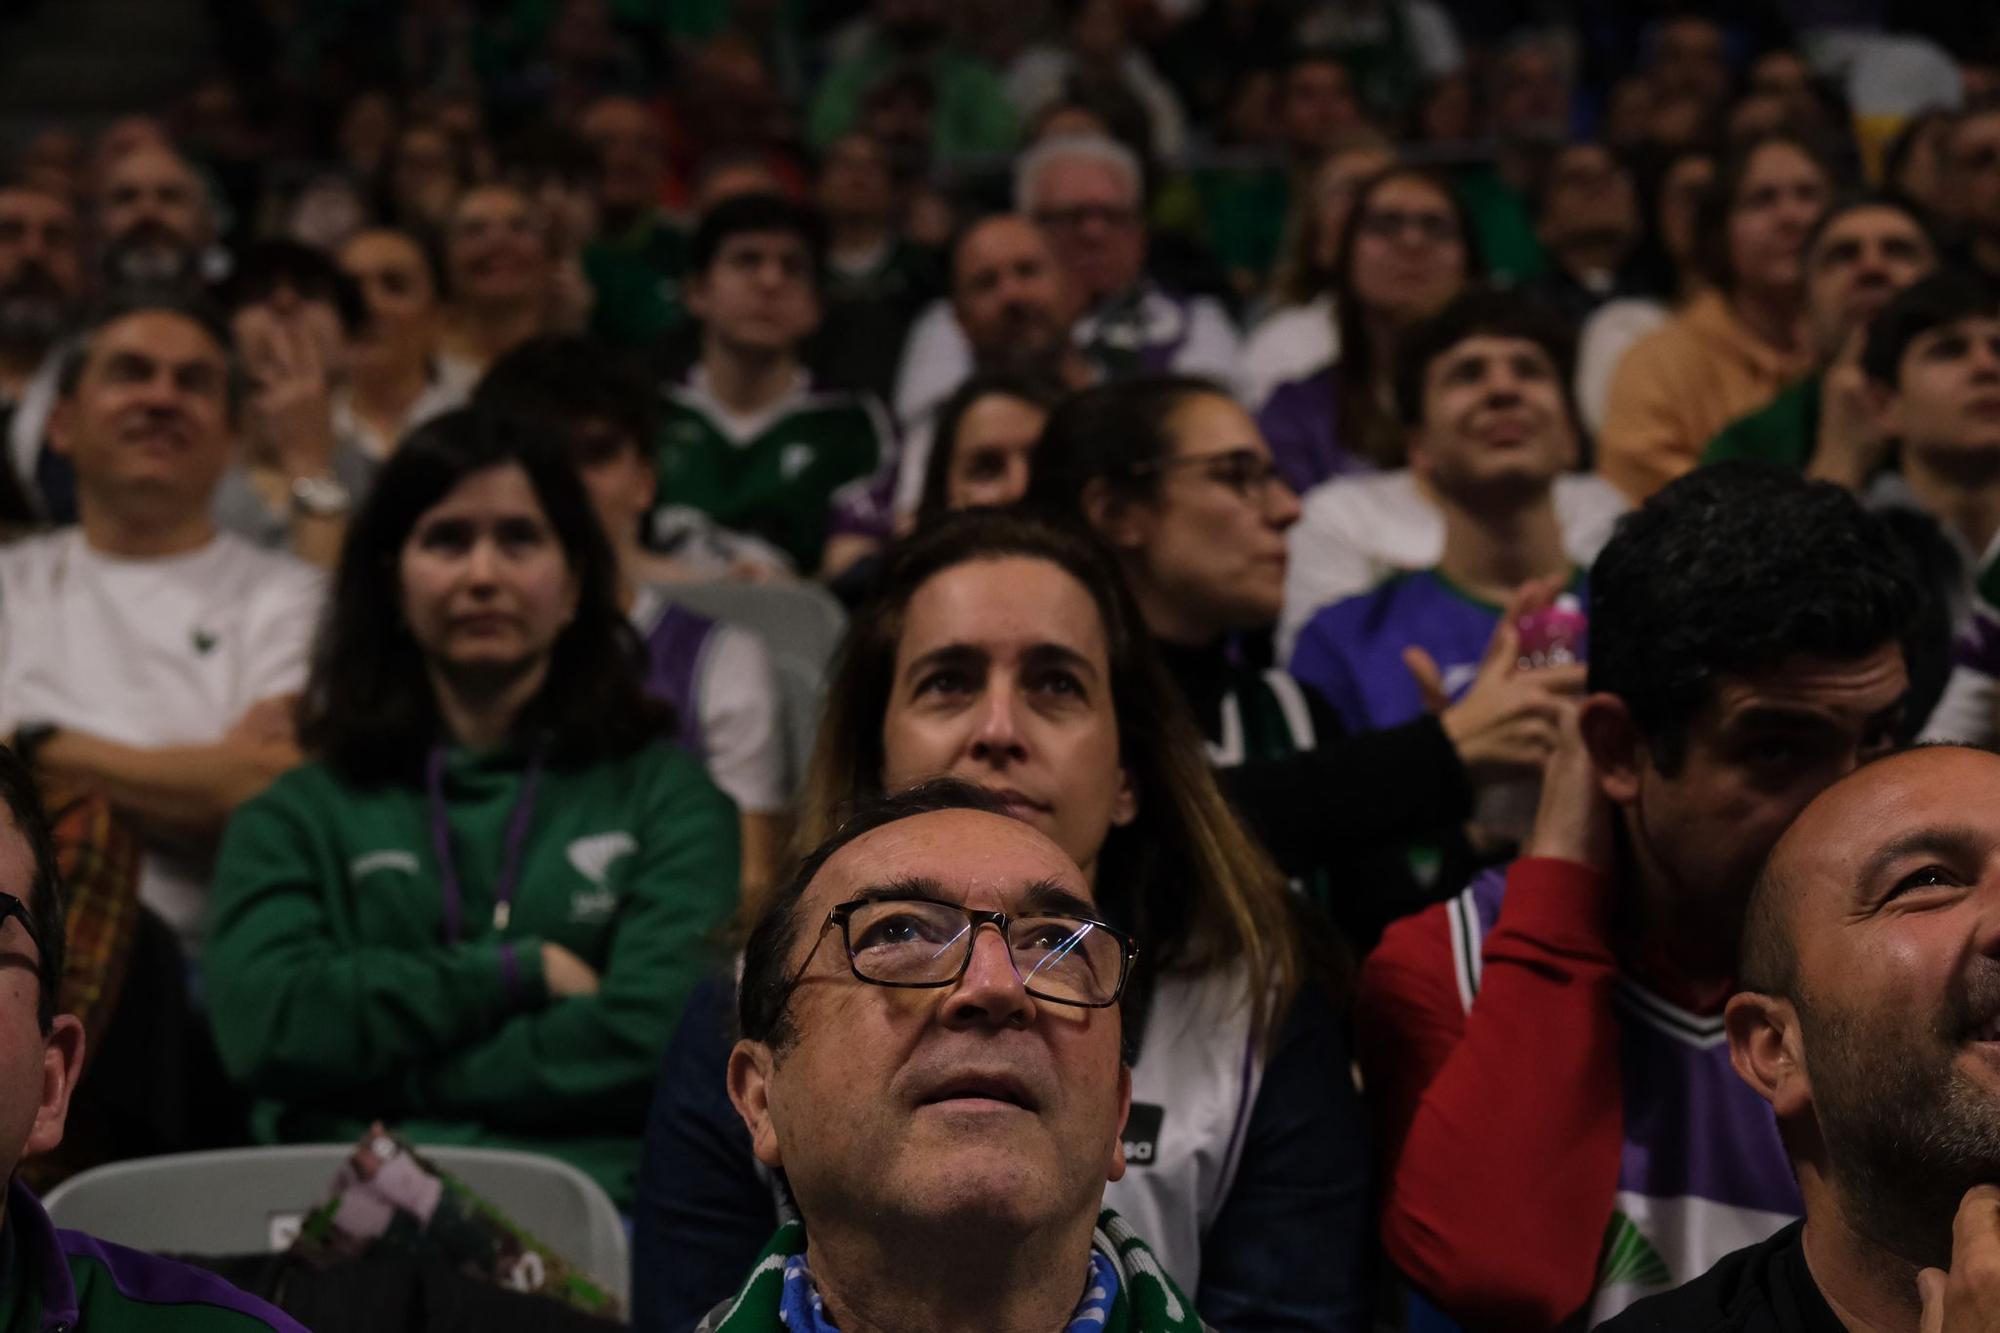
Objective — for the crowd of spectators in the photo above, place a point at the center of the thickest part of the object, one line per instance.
(1408, 499)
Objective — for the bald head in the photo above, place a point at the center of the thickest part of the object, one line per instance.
(1832, 858)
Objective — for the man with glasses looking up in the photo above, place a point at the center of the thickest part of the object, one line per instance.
(946, 1102)
(64, 1280)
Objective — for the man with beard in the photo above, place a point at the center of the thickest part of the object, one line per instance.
(153, 224)
(1013, 305)
(1859, 255)
(41, 276)
(1586, 209)
(1545, 1052)
(1871, 996)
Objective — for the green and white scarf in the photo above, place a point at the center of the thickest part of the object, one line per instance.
(1147, 1302)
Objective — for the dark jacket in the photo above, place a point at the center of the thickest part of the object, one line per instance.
(1764, 1288)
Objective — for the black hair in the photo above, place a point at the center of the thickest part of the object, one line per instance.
(1117, 432)
(266, 266)
(745, 214)
(1931, 302)
(1479, 312)
(1734, 569)
(1718, 202)
(368, 707)
(43, 895)
(1856, 201)
(1044, 391)
(765, 990)
(568, 383)
(145, 299)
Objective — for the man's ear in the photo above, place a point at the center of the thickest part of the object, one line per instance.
(62, 1064)
(1113, 517)
(694, 294)
(1117, 1171)
(1617, 750)
(1417, 455)
(1767, 1052)
(751, 1066)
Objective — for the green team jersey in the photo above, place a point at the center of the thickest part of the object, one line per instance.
(636, 275)
(775, 476)
(346, 985)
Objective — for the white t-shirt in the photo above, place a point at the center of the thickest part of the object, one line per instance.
(1290, 343)
(151, 653)
(737, 701)
(1353, 532)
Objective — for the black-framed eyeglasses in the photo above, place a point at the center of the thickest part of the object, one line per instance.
(1247, 471)
(11, 906)
(920, 943)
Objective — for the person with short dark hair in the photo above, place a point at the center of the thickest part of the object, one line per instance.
(1585, 205)
(716, 676)
(946, 1105)
(1865, 1013)
(41, 286)
(748, 439)
(477, 913)
(1732, 348)
(395, 376)
(1483, 386)
(1972, 184)
(65, 1279)
(1545, 1051)
(638, 257)
(1862, 251)
(143, 652)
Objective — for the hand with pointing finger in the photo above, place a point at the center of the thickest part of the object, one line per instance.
(1967, 1297)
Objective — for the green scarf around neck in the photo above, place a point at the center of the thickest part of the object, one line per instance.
(1148, 1301)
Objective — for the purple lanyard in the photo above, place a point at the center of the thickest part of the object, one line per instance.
(510, 865)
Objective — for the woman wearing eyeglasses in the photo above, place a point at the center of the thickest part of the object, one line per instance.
(1003, 651)
(1407, 251)
(1178, 481)
(477, 914)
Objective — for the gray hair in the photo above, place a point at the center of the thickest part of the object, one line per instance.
(1029, 167)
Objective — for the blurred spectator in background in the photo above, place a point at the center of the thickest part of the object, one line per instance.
(1861, 253)
(425, 174)
(153, 222)
(748, 440)
(876, 279)
(985, 442)
(1012, 303)
(1586, 211)
(396, 377)
(297, 476)
(1672, 272)
(500, 275)
(1914, 164)
(1096, 51)
(1972, 155)
(636, 260)
(1528, 115)
(971, 113)
(1299, 332)
(1732, 349)
(1407, 251)
(41, 288)
(1087, 195)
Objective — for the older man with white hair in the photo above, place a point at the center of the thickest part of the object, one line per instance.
(1086, 194)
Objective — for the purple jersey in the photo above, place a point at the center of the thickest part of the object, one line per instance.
(1352, 651)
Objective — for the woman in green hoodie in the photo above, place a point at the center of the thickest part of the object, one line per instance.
(477, 914)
